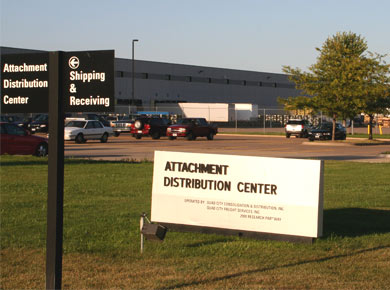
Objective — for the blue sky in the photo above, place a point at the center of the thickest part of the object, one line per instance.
(252, 35)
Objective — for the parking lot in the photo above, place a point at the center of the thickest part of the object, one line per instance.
(126, 147)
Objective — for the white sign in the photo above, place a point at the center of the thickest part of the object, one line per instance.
(259, 194)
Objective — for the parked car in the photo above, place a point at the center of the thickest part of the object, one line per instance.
(18, 141)
(82, 130)
(19, 121)
(324, 132)
(191, 128)
(297, 127)
(111, 119)
(150, 126)
(40, 124)
(122, 126)
(9, 118)
(88, 116)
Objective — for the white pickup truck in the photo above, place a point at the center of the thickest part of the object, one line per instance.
(298, 127)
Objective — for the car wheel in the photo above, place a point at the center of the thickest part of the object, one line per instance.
(41, 150)
(311, 138)
(288, 135)
(191, 136)
(104, 138)
(79, 139)
(171, 138)
(156, 135)
(210, 136)
(116, 134)
(138, 136)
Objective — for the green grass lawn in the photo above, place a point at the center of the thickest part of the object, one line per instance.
(102, 205)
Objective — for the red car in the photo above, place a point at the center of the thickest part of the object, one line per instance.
(17, 141)
(191, 128)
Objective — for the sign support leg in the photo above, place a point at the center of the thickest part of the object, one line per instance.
(141, 225)
(55, 174)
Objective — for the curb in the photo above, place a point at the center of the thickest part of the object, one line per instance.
(384, 155)
(324, 143)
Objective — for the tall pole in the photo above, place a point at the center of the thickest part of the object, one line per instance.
(132, 74)
(55, 198)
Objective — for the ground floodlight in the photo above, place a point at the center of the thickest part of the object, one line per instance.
(154, 232)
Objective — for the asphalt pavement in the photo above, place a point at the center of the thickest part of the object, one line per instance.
(128, 148)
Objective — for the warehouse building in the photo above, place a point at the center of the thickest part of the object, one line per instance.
(164, 84)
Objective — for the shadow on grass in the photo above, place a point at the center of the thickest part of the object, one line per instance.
(209, 242)
(37, 162)
(266, 269)
(44, 161)
(353, 222)
(349, 222)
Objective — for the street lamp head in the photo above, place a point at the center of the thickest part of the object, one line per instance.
(134, 40)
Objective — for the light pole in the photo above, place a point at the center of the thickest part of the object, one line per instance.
(132, 74)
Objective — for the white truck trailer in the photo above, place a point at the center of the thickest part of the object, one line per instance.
(219, 112)
(212, 112)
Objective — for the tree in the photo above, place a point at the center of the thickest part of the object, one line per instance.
(335, 81)
(376, 93)
(297, 103)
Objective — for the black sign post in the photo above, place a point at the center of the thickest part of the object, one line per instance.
(55, 199)
(56, 82)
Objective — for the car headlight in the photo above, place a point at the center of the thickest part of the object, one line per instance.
(43, 126)
(182, 130)
(169, 129)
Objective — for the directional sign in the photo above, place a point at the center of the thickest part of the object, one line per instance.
(25, 83)
(74, 62)
(89, 81)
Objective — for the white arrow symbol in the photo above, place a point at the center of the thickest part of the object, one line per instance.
(74, 62)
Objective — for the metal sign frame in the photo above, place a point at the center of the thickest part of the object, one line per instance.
(55, 87)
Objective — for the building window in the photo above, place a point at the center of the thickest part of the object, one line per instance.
(119, 74)
(223, 81)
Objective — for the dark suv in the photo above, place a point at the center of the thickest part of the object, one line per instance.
(324, 132)
(150, 126)
(40, 124)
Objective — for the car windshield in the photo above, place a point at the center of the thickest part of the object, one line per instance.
(4, 119)
(77, 124)
(324, 126)
(124, 118)
(42, 118)
(184, 121)
(295, 122)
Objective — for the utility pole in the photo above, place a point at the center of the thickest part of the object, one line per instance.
(132, 74)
